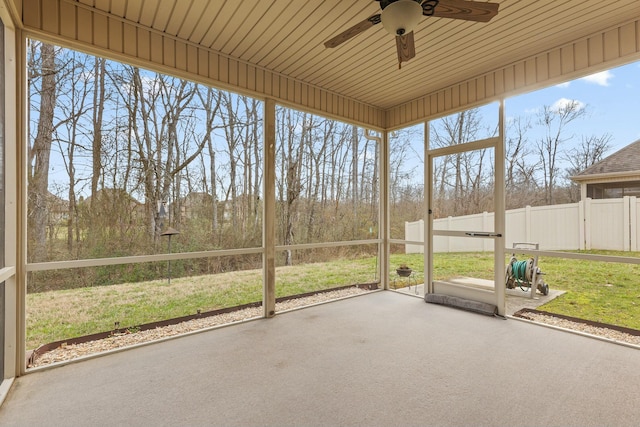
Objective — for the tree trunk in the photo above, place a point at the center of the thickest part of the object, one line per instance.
(98, 110)
(41, 153)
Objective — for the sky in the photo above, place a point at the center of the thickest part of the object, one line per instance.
(612, 100)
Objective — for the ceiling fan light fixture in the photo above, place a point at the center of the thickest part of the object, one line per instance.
(401, 16)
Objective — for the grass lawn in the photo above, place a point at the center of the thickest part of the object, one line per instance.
(598, 291)
(58, 315)
(603, 292)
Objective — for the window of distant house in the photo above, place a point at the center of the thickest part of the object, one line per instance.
(613, 191)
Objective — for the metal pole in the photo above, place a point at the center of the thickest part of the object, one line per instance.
(169, 232)
(169, 261)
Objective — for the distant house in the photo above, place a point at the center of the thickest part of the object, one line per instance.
(114, 203)
(195, 205)
(615, 176)
(57, 209)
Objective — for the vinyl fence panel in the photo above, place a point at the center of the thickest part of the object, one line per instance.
(415, 230)
(635, 225)
(517, 227)
(606, 225)
(556, 227)
(609, 224)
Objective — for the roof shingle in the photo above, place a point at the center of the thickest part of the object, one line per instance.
(626, 159)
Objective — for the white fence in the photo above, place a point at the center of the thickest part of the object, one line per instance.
(591, 224)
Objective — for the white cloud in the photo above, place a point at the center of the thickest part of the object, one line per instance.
(87, 76)
(563, 103)
(601, 79)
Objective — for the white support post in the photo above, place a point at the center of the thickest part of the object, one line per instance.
(499, 217)
(428, 215)
(15, 180)
(373, 136)
(16, 302)
(269, 211)
(384, 224)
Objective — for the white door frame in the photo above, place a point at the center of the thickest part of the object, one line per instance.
(496, 297)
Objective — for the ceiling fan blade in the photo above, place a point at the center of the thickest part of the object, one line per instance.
(353, 31)
(406, 48)
(461, 9)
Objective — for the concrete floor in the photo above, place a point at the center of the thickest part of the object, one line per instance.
(379, 359)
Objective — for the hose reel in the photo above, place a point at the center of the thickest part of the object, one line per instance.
(525, 274)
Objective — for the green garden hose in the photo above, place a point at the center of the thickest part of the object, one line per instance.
(521, 271)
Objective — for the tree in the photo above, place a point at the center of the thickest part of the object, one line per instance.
(555, 120)
(520, 165)
(252, 162)
(73, 105)
(590, 151)
(162, 130)
(98, 113)
(43, 83)
(291, 155)
(461, 179)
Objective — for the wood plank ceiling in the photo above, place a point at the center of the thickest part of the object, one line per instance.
(287, 36)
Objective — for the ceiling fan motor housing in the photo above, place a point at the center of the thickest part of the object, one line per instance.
(401, 16)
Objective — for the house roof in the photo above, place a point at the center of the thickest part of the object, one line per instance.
(623, 162)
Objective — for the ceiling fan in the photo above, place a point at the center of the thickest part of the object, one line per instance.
(399, 17)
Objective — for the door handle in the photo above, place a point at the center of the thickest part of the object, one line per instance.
(476, 234)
